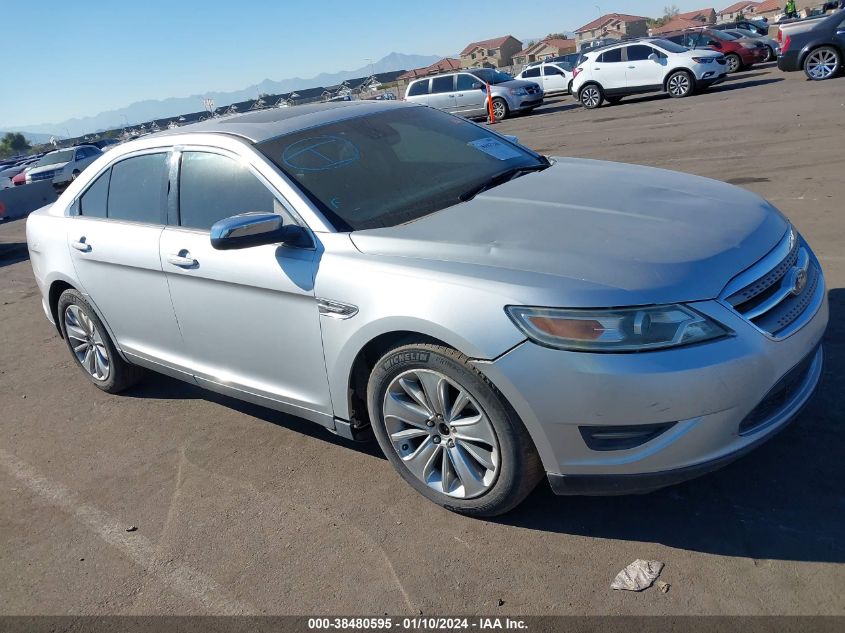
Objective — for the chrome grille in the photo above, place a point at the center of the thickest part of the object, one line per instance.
(781, 292)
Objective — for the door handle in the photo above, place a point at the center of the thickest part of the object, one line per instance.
(183, 259)
(632, 67)
(81, 245)
(461, 94)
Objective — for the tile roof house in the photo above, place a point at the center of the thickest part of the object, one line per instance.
(769, 8)
(445, 65)
(613, 25)
(549, 47)
(738, 10)
(686, 20)
(492, 53)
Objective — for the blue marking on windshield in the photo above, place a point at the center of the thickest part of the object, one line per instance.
(320, 153)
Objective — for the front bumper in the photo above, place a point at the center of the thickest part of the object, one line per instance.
(704, 391)
(520, 104)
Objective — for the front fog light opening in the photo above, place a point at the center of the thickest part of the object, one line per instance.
(620, 438)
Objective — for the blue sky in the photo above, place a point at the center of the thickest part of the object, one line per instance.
(66, 59)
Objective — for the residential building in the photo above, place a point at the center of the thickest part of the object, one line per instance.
(686, 20)
(494, 53)
(616, 25)
(737, 11)
(770, 8)
(445, 65)
(549, 47)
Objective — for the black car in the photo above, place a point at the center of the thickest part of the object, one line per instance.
(818, 50)
(758, 26)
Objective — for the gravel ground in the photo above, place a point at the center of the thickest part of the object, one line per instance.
(240, 509)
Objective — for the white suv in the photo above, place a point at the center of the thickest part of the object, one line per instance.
(552, 76)
(648, 65)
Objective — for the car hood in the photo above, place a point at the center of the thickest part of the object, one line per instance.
(516, 83)
(52, 167)
(591, 233)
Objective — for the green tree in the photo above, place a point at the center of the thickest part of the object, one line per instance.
(13, 143)
(557, 36)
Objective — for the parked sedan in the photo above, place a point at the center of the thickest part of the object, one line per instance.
(740, 53)
(490, 315)
(816, 46)
(771, 44)
(465, 93)
(64, 165)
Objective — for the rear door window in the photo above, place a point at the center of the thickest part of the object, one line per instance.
(440, 85)
(138, 188)
(94, 201)
(611, 57)
(532, 72)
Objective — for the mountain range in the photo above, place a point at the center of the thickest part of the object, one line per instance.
(142, 111)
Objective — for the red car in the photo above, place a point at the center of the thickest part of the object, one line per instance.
(740, 52)
(20, 179)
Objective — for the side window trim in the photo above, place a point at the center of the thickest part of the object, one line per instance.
(176, 173)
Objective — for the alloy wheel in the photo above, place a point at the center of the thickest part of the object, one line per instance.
(441, 434)
(499, 110)
(733, 63)
(87, 343)
(822, 64)
(679, 84)
(590, 96)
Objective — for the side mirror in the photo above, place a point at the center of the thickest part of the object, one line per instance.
(252, 229)
(653, 57)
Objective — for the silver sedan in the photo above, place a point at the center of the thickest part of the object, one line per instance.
(390, 270)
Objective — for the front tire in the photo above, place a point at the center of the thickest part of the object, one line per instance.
(591, 96)
(500, 109)
(448, 431)
(822, 63)
(91, 347)
(680, 84)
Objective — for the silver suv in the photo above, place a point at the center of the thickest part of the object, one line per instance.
(465, 93)
(389, 269)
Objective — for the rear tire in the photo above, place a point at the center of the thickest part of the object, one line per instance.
(822, 63)
(449, 432)
(91, 347)
(734, 63)
(591, 96)
(680, 84)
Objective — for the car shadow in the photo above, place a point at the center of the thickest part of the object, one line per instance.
(160, 387)
(558, 107)
(783, 501)
(738, 85)
(12, 253)
(745, 75)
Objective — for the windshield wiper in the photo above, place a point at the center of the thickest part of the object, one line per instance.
(500, 179)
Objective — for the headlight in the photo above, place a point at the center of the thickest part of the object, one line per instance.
(703, 60)
(615, 330)
(518, 92)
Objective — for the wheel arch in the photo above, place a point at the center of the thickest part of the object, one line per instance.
(809, 48)
(673, 71)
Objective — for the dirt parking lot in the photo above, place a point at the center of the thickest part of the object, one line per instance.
(240, 509)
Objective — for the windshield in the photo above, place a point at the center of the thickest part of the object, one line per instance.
(392, 167)
(490, 76)
(65, 156)
(669, 47)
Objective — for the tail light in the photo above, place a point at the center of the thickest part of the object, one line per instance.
(785, 44)
(576, 72)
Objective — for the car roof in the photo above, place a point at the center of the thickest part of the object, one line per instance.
(262, 125)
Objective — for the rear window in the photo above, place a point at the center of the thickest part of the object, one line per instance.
(532, 72)
(418, 88)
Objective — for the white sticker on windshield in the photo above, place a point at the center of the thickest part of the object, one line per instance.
(495, 148)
